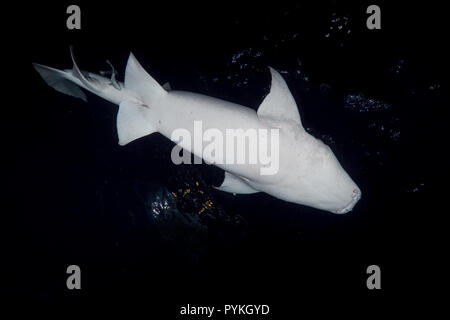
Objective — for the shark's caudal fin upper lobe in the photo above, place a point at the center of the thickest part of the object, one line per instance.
(59, 80)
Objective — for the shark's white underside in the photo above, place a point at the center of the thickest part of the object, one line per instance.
(309, 173)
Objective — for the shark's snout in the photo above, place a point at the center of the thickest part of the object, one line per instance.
(355, 196)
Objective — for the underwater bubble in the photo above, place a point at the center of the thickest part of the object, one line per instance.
(257, 54)
(236, 56)
(338, 29)
(325, 89)
(416, 188)
(395, 134)
(435, 86)
(161, 203)
(398, 67)
(362, 104)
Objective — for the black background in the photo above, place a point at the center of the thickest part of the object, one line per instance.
(60, 152)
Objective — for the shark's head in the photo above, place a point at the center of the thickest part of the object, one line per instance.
(309, 172)
(317, 179)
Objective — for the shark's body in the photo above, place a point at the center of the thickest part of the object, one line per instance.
(308, 174)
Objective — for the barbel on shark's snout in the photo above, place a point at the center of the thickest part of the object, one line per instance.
(308, 174)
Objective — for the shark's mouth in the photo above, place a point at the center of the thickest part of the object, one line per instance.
(355, 198)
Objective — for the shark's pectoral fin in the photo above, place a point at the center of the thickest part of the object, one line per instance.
(234, 184)
(57, 80)
(132, 123)
(279, 104)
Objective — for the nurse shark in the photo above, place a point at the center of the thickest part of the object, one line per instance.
(308, 174)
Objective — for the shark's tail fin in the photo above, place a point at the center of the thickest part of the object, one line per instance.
(59, 80)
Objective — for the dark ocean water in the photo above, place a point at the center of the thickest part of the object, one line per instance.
(152, 234)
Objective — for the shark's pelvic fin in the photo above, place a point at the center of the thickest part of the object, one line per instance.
(279, 104)
(132, 123)
(167, 86)
(234, 184)
(138, 81)
(57, 79)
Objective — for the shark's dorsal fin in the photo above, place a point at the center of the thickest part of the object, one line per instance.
(138, 81)
(235, 184)
(279, 104)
